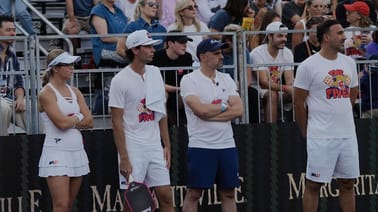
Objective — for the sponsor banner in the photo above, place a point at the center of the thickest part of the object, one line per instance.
(272, 172)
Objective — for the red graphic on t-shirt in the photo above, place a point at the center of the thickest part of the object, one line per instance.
(275, 73)
(216, 101)
(145, 114)
(339, 84)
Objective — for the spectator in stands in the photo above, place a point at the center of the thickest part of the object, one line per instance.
(167, 16)
(232, 13)
(106, 18)
(369, 100)
(174, 55)
(313, 8)
(257, 5)
(369, 90)
(77, 18)
(271, 78)
(292, 12)
(207, 8)
(145, 18)
(12, 93)
(357, 40)
(311, 45)
(63, 111)
(186, 21)
(211, 101)
(128, 8)
(21, 14)
(137, 102)
(326, 88)
(275, 5)
(330, 7)
(258, 39)
(228, 59)
(342, 16)
(372, 47)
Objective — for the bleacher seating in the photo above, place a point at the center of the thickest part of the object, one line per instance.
(53, 10)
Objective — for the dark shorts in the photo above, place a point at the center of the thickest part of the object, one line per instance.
(209, 166)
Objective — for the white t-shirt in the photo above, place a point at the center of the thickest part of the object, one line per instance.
(352, 44)
(192, 45)
(330, 112)
(127, 8)
(207, 8)
(208, 134)
(128, 92)
(261, 56)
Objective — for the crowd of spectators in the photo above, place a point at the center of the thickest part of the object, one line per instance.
(106, 17)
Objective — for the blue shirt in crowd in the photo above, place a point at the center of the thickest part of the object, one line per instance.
(116, 22)
(154, 27)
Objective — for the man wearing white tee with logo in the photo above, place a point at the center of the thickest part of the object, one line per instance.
(272, 89)
(325, 90)
(137, 102)
(211, 101)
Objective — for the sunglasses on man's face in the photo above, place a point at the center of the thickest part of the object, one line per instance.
(152, 4)
(191, 7)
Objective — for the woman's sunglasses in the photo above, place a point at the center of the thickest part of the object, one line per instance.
(152, 4)
(191, 7)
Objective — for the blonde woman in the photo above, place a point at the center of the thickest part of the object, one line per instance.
(63, 110)
(186, 21)
(313, 8)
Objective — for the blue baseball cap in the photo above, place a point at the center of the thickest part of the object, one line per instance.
(210, 45)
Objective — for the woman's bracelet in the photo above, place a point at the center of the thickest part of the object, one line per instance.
(79, 116)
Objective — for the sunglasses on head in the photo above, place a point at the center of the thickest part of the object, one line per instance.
(152, 4)
(191, 7)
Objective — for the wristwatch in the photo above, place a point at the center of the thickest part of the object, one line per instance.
(224, 107)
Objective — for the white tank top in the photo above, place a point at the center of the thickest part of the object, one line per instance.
(68, 139)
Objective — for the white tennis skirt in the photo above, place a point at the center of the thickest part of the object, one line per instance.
(63, 163)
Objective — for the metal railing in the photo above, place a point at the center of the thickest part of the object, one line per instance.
(84, 80)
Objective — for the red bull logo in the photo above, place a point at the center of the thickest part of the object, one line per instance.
(145, 114)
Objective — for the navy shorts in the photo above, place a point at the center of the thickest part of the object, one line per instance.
(209, 166)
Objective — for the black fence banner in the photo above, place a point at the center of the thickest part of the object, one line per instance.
(272, 171)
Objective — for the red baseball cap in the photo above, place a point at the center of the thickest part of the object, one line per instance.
(358, 6)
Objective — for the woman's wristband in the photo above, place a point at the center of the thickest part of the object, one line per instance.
(79, 117)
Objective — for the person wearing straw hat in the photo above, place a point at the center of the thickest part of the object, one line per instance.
(12, 101)
(63, 110)
(137, 104)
